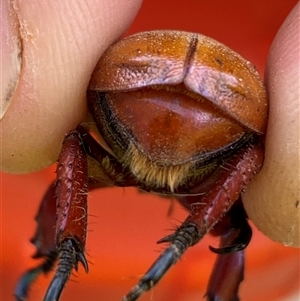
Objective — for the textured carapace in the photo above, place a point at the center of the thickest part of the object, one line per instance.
(175, 99)
(205, 66)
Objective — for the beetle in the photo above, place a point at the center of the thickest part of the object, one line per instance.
(179, 114)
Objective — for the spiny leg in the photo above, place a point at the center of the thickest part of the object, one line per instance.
(72, 182)
(205, 212)
(71, 224)
(185, 236)
(66, 237)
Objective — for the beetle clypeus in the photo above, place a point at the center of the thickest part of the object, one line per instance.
(180, 114)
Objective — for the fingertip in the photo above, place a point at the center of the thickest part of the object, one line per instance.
(10, 56)
(272, 200)
(61, 44)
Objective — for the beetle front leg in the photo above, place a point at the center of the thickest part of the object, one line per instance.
(206, 210)
(71, 218)
(62, 216)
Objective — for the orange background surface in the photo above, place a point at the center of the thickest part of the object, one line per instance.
(123, 224)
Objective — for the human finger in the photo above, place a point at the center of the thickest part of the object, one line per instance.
(50, 51)
(272, 199)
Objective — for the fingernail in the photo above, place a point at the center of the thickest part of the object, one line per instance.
(11, 59)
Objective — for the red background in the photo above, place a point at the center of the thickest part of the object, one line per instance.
(124, 225)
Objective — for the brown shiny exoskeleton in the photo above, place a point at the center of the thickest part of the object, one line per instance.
(179, 114)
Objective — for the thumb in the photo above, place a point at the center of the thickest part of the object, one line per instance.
(50, 49)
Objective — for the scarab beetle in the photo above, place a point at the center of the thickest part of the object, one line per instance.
(179, 114)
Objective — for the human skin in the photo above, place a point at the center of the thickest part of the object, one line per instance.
(52, 85)
(272, 199)
(123, 224)
(54, 49)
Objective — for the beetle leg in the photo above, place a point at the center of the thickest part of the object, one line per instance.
(205, 211)
(44, 242)
(239, 241)
(226, 276)
(185, 236)
(228, 270)
(62, 216)
(236, 232)
(71, 219)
